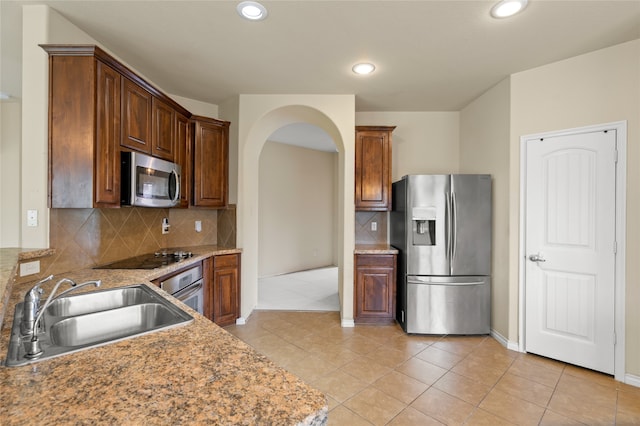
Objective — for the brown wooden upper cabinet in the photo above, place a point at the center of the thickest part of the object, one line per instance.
(107, 164)
(98, 107)
(183, 157)
(210, 162)
(84, 124)
(163, 132)
(136, 117)
(373, 168)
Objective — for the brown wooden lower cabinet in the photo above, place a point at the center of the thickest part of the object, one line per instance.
(375, 288)
(222, 288)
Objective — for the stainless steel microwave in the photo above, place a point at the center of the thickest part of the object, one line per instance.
(148, 182)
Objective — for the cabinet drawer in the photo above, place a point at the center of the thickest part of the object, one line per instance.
(387, 260)
(225, 261)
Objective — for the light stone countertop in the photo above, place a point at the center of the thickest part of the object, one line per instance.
(375, 249)
(193, 374)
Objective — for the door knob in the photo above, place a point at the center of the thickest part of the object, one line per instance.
(537, 258)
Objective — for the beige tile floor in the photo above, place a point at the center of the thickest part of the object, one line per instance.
(379, 375)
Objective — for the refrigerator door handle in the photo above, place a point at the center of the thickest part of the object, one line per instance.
(430, 282)
(454, 225)
(447, 224)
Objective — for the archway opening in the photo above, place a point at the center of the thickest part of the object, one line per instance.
(298, 232)
(261, 117)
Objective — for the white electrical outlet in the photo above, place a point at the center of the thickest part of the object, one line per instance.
(374, 226)
(198, 226)
(32, 218)
(29, 268)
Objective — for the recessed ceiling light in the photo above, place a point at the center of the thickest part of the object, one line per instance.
(508, 8)
(252, 10)
(363, 68)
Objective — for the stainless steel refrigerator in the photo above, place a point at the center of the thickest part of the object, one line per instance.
(441, 226)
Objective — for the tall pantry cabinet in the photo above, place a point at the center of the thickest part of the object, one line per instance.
(374, 272)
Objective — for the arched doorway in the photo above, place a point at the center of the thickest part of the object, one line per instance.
(260, 116)
(298, 199)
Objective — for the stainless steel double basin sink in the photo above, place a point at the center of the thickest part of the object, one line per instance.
(74, 323)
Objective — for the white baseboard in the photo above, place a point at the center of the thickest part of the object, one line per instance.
(513, 346)
(632, 380)
(346, 323)
(243, 320)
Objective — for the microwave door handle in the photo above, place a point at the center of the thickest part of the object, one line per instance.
(175, 176)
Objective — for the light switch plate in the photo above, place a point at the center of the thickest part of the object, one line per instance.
(32, 218)
(198, 226)
(374, 226)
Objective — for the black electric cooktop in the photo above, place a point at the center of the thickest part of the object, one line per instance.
(150, 260)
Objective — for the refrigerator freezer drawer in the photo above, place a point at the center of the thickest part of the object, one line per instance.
(461, 306)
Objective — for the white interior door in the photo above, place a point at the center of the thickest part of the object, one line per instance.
(570, 249)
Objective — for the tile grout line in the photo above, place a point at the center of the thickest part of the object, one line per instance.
(278, 323)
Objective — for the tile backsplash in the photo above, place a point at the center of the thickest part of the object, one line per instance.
(363, 232)
(83, 238)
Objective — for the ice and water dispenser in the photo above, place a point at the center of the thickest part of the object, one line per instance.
(424, 226)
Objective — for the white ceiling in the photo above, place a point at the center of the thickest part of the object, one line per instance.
(431, 55)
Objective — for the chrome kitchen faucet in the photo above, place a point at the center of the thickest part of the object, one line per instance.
(34, 350)
(31, 307)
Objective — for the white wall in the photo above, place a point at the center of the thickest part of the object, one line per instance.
(297, 211)
(10, 123)
(230, 111)
(595, 88)
(423, 142)
(40, 25)
(10, 174)
(196, 107)
(484, 148)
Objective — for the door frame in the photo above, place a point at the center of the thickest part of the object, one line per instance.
(620, 217)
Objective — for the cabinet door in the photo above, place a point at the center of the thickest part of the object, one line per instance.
(136, 117)
(71, 131)
(183, 157)
(373, 168)
(375, 288)
(211, 164)
(226, 292)
(163, 132)
(107, 161)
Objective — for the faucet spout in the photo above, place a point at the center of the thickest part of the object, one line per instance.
(96, 283)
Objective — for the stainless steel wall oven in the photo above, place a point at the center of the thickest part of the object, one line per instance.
(187, 286)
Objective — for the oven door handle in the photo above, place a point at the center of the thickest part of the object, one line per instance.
(189, 291)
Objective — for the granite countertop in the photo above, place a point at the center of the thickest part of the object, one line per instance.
(375, 249)
(193, 374)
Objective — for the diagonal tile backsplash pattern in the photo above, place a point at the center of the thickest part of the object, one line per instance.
(87, 237)
(83, 238)
(227, 226)
(363, 232)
